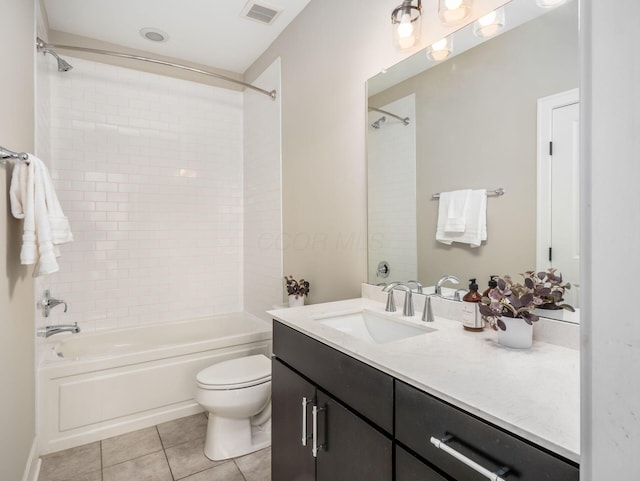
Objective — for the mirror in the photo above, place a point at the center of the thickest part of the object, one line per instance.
(473, 123)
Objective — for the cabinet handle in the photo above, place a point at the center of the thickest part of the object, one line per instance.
(315, 448)
(305, 436)
(442, 444)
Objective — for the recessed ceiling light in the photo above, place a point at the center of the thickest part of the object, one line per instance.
(154, 34)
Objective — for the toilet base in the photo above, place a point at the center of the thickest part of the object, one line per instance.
(229, 438)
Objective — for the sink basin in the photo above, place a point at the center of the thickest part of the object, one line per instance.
(372, 326)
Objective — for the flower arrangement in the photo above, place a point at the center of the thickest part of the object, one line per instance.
(549, 287)
(296, 288)
(509, 299)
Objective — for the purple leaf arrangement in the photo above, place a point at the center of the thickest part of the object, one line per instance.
(296, 288)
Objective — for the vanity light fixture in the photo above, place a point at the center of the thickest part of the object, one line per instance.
(406, 20)
(490, 24)
(550, 3)
(454, 12)
(441, 49)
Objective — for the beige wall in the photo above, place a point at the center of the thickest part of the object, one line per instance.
(17, 418)
(328, 52)
(477, 126)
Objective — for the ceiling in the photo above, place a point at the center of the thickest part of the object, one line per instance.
(208, 32)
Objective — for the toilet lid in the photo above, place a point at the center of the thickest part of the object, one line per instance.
(245, 371)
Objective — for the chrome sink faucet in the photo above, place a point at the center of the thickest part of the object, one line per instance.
(57, 329)
(427, 311)
(407, 309)
(442, 280)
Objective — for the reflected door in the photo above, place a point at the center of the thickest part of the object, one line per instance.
(559, 189)
(565, 197)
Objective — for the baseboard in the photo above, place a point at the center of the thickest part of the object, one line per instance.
(32, 469)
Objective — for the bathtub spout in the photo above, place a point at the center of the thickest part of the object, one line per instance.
(57, 329)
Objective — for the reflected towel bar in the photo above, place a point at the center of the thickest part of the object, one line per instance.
(490, 193)
(6, 154)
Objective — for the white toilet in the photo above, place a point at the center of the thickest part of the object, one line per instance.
(237, 395)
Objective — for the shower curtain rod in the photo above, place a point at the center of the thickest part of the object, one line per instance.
(404, 120)
(41, 45)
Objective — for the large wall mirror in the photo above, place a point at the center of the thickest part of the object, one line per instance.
(481, 119)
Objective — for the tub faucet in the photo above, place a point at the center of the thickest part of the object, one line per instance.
(47, 303)
(57, 329)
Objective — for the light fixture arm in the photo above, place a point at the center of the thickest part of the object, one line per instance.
(407, 8)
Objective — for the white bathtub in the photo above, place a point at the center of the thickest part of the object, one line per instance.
(96, 385)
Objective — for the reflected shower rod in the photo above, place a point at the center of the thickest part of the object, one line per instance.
(42, 45)
(404, 120)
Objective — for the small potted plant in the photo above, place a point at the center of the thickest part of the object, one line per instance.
(509, 310)
(549, 288)
(297, 290)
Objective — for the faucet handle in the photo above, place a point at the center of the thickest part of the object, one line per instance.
(47, 303)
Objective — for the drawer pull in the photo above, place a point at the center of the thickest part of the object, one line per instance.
(315, 448)
(305, 436)
(442, 444)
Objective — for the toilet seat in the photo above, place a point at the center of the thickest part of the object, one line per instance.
(236, 373)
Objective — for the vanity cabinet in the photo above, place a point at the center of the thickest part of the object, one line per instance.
(452, 439)
(307, 413)
(369, 426)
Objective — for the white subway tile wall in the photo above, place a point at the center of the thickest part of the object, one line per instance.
(263, 278)
(391, 157)
(149, 170)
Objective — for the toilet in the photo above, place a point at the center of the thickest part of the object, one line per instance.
(237, 395)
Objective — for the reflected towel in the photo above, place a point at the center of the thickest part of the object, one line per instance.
(475, 230)
(455, 205)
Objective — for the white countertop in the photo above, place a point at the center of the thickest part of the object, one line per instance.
(534, 393)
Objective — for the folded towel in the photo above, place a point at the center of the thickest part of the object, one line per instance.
(455, 204)
(34, 200)
(475, 230)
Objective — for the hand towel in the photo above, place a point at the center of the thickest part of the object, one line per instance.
(34, 200)
(475, 230)
(457, 209)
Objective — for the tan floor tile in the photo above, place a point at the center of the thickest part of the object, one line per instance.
(256, 466)
(182, 430)
(152, 467)
(188, 458)
(225, 472)
(128, 446)
(71, 463)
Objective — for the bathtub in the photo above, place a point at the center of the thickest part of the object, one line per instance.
(92, 386)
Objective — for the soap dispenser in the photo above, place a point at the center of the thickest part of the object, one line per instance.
(492, 285)
(471, 318)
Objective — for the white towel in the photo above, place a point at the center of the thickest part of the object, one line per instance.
(455, 204)
(33, 199)
(475, 230)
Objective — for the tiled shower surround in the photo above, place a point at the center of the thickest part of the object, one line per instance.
(149, 170)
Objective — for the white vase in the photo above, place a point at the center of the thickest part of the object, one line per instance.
(296, 301)
(518, 335)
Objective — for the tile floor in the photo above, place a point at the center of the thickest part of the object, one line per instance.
(168, 452)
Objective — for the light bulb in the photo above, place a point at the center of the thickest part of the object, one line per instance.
(550, 3)
(405, 28)
(488, 19)
(489, 24)
(440, 50)
(440, 44)
(453, 12)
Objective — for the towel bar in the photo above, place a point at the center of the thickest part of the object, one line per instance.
(490, 193)
(6, 154)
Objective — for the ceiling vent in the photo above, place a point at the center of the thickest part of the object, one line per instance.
(260, 12)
